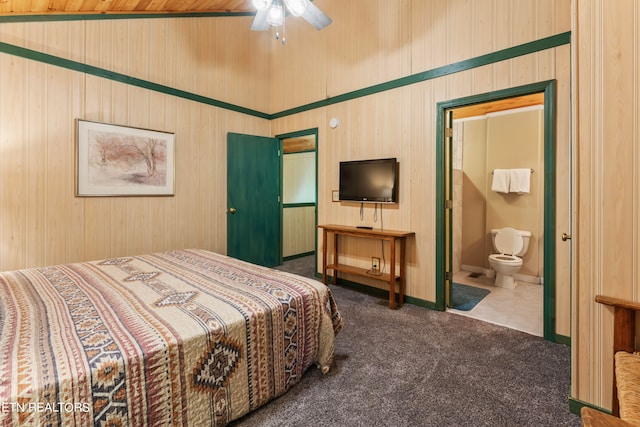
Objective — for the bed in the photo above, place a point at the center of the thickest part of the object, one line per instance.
(180, 338)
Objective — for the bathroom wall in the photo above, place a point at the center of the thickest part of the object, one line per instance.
(457, 178)
(503, 140)
(474, 200)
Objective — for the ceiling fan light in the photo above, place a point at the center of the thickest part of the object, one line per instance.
(261, 4)
(296, 7)
(275, 15)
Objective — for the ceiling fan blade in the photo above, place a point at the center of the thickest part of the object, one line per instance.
(314, 16)
(260, 21)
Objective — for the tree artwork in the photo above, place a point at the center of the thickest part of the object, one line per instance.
(121, 159)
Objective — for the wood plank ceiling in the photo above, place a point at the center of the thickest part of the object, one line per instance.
(44, 7)
(495, 106)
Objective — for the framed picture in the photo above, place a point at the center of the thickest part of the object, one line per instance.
(114, 160)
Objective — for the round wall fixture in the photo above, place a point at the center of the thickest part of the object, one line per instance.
(334, 122)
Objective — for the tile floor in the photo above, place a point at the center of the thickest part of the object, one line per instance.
(520, 308)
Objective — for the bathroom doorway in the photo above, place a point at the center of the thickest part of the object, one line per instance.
(449, 235)
(490, 140)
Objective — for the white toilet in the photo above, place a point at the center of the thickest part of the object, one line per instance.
(511, 245)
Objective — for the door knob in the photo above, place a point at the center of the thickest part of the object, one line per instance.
(232, 211)
(566, 237)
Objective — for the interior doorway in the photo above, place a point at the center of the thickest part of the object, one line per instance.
(445, 202)
(299, 194)
(498, 135)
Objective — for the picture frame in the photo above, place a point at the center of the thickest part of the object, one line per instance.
(115, 160)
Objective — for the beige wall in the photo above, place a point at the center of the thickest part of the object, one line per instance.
(476, 178)
(503, 141)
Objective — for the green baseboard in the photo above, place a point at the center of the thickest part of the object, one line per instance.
(377, 292)
(290, 257)
(575, 405)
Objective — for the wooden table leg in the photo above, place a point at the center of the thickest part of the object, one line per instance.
(402, 271)
(392, 279)
(324, 256)
(335, 257)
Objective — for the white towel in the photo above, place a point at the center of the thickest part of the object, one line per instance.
(500, 182)
(519, 180)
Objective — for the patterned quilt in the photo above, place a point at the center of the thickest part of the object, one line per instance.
(182, 338)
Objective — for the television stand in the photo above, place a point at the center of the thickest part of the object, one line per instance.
(392, 236)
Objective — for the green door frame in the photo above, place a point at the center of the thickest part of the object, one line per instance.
(549, 89)
(305, 132)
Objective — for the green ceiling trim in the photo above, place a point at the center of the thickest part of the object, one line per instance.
(123, 78)
(501, 55)
(110, 15)
(456, 67)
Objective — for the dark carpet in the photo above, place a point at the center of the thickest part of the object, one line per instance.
(465, 297)
(419, 367)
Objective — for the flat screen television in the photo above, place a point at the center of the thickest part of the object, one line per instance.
(372, 181)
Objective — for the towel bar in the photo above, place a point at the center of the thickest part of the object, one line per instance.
(494, 169)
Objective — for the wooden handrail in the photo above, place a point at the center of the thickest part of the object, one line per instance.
(618, 302)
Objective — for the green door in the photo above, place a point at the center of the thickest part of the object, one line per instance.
(254, 208)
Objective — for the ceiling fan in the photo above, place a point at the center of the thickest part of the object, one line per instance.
(271, 13)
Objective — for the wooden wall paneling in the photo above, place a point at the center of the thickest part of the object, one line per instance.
(164, 53)
(188, 169)
(562, 16)
(545, 17)
(429, 23)
(14, 162)
(35, 181)
(618, 159)
(59, 174)
(565, 176)
(368, 46)
(200, 142)
(458, 38)
(213, 184)
(103, 227)
(76, 48)
(423, 212)
(503, 24)
(606, 58)
(139, 218)
(299, 234)
(482, 40)
(524, 21)
(304, 56)
(252, 63)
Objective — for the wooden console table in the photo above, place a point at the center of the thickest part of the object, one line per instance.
(392, 236)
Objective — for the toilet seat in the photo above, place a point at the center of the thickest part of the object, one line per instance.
(506, 259)
(508, 241)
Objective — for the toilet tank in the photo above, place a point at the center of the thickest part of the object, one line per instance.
(526, 236)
